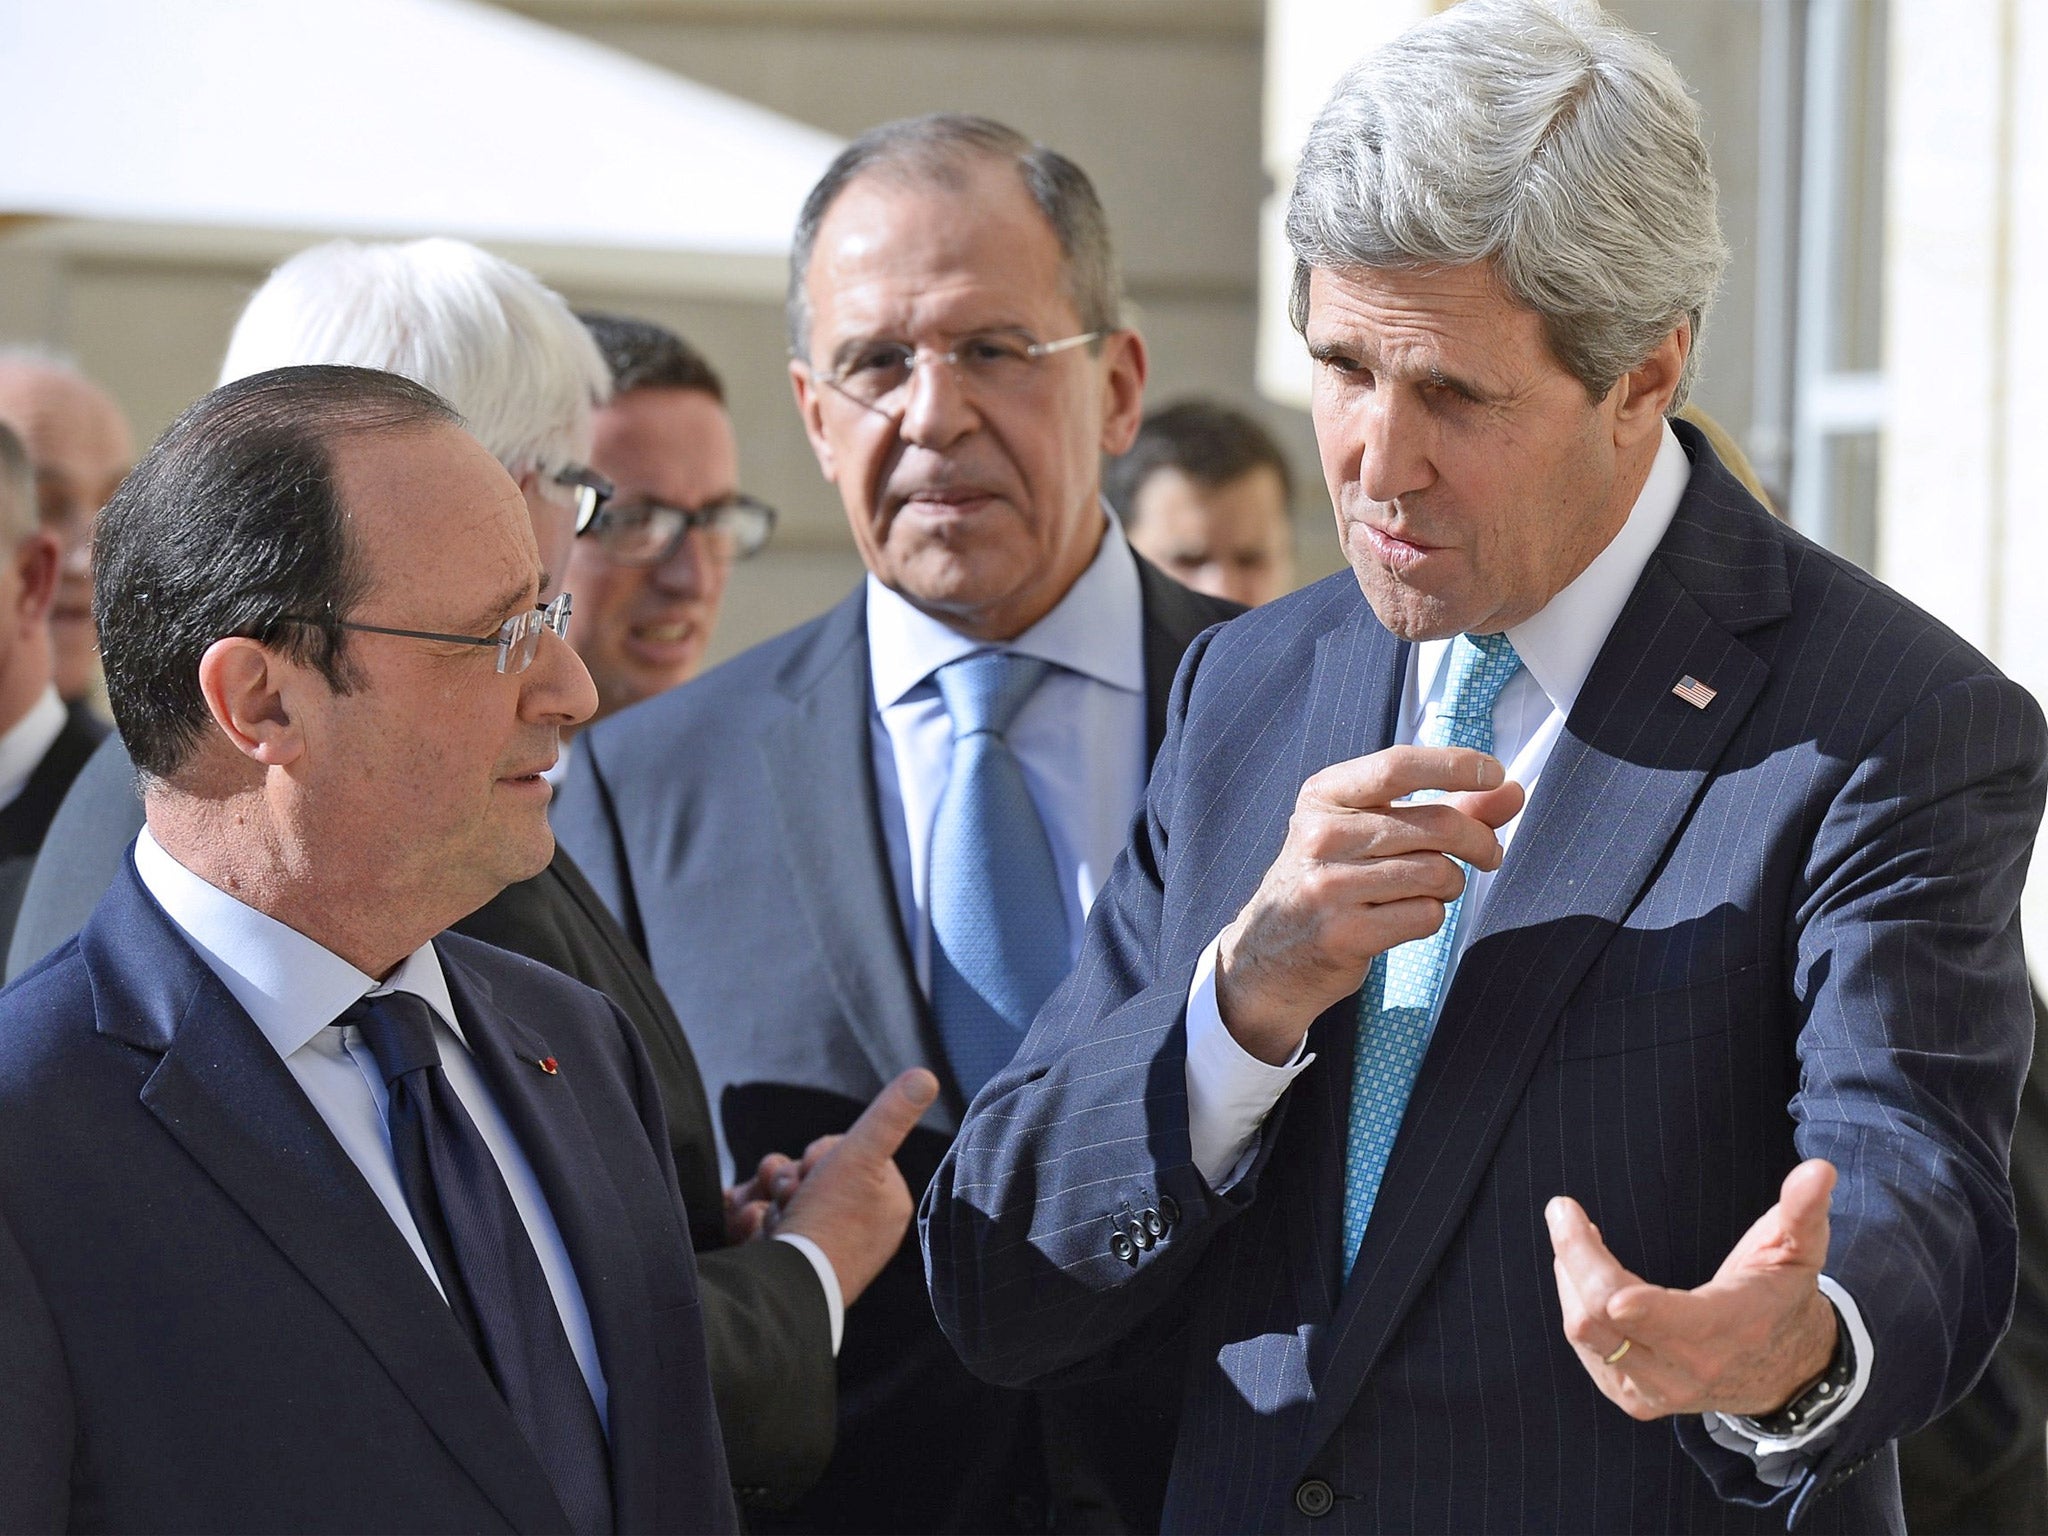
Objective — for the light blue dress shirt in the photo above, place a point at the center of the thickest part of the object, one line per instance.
(294, 990)
(1230, 1091)
(1080, 737)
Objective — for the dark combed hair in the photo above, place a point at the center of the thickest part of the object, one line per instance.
(936, 149)
(231, 524)
(1211, 443)
(643, 355)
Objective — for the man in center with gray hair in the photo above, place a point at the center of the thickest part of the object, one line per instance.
(1552, 1044)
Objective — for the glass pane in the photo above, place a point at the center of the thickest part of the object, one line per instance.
(1852, 494)
(1858, 295)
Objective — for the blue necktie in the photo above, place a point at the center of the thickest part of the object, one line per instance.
(488, 1269)
(999, 928)
(1397, 1006)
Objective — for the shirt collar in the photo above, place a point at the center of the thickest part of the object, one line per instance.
(1560, 642)
(1097, 629)
(27, 742)
(290, 985)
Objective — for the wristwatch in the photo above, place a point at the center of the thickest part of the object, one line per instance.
(1812, 1407)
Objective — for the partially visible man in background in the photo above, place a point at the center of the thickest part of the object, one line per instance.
(79, 445)
(650, 577)
(1205, 495)
(525, 375)
(42, 744)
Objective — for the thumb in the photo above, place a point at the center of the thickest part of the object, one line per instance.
(883, 1124)
(1803, 1201)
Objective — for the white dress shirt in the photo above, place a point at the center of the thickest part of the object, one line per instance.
(27, 742)
(1080, 737)
(294, 990)
(1230, 1091)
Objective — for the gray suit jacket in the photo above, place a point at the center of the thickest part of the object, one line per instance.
(733, 826)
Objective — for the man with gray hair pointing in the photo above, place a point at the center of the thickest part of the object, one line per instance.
(1552, 1042)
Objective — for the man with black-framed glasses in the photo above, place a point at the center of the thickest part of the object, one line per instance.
(650, 572)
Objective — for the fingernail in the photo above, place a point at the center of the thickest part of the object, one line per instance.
(1553, 1213)
(1491, 774)
(922, 1089)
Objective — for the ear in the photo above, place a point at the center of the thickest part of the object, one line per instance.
(810, 406)
(1643, 394)
(37, 560)
(245, 685)
(1123, 390)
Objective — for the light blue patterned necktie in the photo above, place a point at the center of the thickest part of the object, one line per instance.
(1397, 1006)
(999, 928)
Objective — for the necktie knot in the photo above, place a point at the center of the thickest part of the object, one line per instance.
(1479, 668)
(983, 692)
(398, 1027)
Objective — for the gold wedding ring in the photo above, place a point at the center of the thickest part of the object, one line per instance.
(1624, 1349)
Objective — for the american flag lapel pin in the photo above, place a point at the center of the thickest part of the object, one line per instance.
(1694, 692)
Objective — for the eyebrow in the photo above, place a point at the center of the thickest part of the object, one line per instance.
(503, 607)
(1325, 351)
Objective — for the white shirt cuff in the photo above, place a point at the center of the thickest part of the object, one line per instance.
(1780, 1462)
(828, 1277)
(1230, 1091)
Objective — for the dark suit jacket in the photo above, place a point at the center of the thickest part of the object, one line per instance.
(1783, 925)
(26, 818)
(733, 826)
(764, 1314)
(1981, 1469)
(211, 1324)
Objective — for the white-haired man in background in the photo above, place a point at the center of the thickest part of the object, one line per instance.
(508, 354)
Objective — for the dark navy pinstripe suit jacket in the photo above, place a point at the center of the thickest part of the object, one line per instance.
(1782, 926)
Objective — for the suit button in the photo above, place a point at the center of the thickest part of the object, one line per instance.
(1313, 1497)
(1155, 1224)
(1124, 1249)
(1169, 1209)
(1142, 1235)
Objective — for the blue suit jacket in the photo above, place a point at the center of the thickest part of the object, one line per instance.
(1781, 926)
(208, 1321)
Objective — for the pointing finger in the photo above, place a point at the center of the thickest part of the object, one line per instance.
(883, 1124)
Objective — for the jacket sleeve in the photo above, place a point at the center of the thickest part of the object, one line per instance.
(1916, 1028)
(1043, 1263)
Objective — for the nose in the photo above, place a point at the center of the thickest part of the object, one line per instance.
(556, 690)
(1394, 441)
(682, 573)
(936, 410)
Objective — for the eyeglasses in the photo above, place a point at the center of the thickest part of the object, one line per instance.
(877, 374)
(517, 639)
(650, 532)
(589, 492)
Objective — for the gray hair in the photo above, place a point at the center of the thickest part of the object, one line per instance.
(935, 150)
(490, 338)
(1542, 138)
(17, 489)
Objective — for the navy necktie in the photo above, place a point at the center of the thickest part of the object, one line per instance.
(481, 1251)
(999, 927)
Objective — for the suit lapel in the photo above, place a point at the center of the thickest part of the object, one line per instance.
(547, 1117)
(224, 1095)
(1619, 784)
(821, 777)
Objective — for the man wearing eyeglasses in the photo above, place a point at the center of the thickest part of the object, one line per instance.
(524, 374)
(650, 573)
(870, 845)
(313, 1215)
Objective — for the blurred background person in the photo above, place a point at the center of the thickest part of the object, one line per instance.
(43, 743)
(79, 446)
(524, 374)
(650, 576)
(1206, 495)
